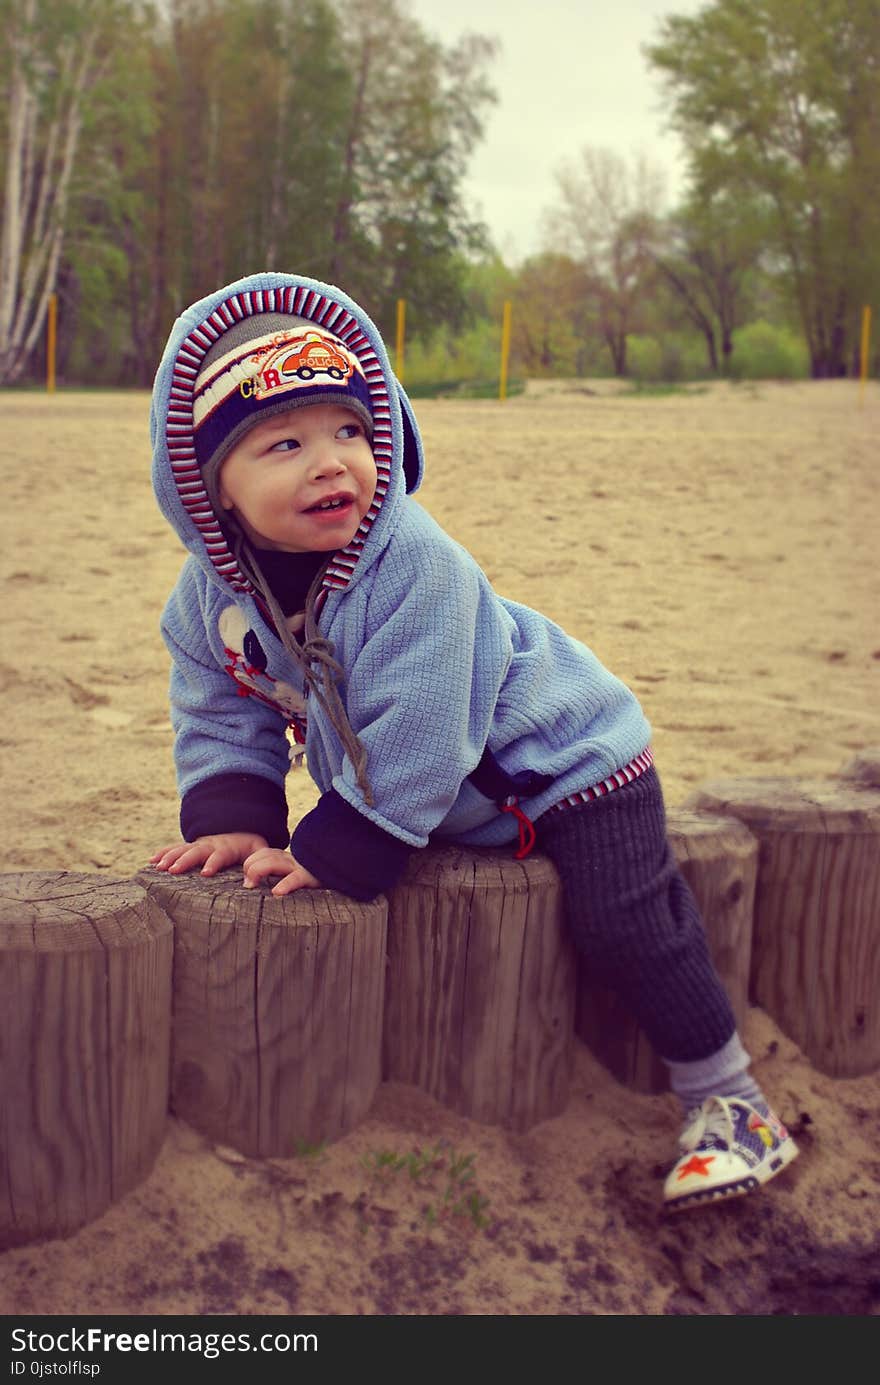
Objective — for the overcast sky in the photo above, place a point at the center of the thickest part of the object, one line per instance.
(569, 73)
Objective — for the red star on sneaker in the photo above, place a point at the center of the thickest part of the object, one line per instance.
(696, 1164)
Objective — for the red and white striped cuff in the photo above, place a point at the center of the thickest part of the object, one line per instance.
(621, 777)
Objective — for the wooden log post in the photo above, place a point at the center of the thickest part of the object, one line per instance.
(277, 1011)
(479, 1003)
(85, 1020)
(863, 770)
(718, 858)
(816, 943)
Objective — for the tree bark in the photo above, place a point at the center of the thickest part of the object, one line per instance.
(691, 306)
(342, 218)
(14, 204)
(33, 229)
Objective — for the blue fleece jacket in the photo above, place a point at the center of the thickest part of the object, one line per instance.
(441, 676)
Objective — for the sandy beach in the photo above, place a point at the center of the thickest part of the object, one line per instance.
(717, 548)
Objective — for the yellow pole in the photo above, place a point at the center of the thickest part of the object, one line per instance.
(866, 340)
(505, 349)
(51, 337)
(401, 324)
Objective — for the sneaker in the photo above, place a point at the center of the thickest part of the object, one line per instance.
(729, 1147)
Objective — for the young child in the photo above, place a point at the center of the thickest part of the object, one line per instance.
(322, 610)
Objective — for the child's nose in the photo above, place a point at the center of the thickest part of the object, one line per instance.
(327, 460)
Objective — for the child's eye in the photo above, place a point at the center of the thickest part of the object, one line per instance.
(285, 445)
(350, 430)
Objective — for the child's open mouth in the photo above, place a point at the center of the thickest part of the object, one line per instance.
(332, 505)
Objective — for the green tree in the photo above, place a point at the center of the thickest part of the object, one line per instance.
(779, 100)
(706, 253)
(401, 228)
(228, 135)
(552, 318)
(105, 289)
(54, 55)
(255, 132)
(606, 218)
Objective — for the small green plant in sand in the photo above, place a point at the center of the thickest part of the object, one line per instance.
(302, 1149)
(449, 1177)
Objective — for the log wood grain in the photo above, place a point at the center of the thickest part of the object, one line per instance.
(816, 942)
(85, 981)
(479, 1003)
(277, 1013)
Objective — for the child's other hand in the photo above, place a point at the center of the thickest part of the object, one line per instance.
(269, 861)
(212, 853)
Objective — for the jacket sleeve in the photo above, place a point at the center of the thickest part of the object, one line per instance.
(346, 851)
(420, 693)
(235, 803)
(231, 752)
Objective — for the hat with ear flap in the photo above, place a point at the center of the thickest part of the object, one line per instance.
(264, 365)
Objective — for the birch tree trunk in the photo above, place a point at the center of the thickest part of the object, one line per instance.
(51, 74)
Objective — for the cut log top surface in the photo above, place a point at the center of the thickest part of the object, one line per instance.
(687, 823)
(224, 895)
(785, 804)
(44, 911)
(482, 868)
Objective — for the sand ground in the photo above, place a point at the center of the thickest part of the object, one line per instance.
(717, 548)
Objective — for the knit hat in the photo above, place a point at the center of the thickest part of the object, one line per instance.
(264, 365)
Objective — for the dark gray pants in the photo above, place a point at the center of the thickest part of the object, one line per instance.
(635, 920)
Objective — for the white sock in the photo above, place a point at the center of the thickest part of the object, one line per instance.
(724, 1073)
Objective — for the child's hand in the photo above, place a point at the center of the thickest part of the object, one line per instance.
(269, 861)
(212, 853)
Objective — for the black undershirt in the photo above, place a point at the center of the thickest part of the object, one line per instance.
(290, 575)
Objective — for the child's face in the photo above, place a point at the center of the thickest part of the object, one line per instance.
(279, 479)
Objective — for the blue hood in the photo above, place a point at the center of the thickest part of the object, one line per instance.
(177, 480)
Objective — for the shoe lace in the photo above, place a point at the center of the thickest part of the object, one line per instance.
(709, 1126)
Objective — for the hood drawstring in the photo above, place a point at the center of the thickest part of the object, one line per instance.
(321, 671)
(318, 650)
